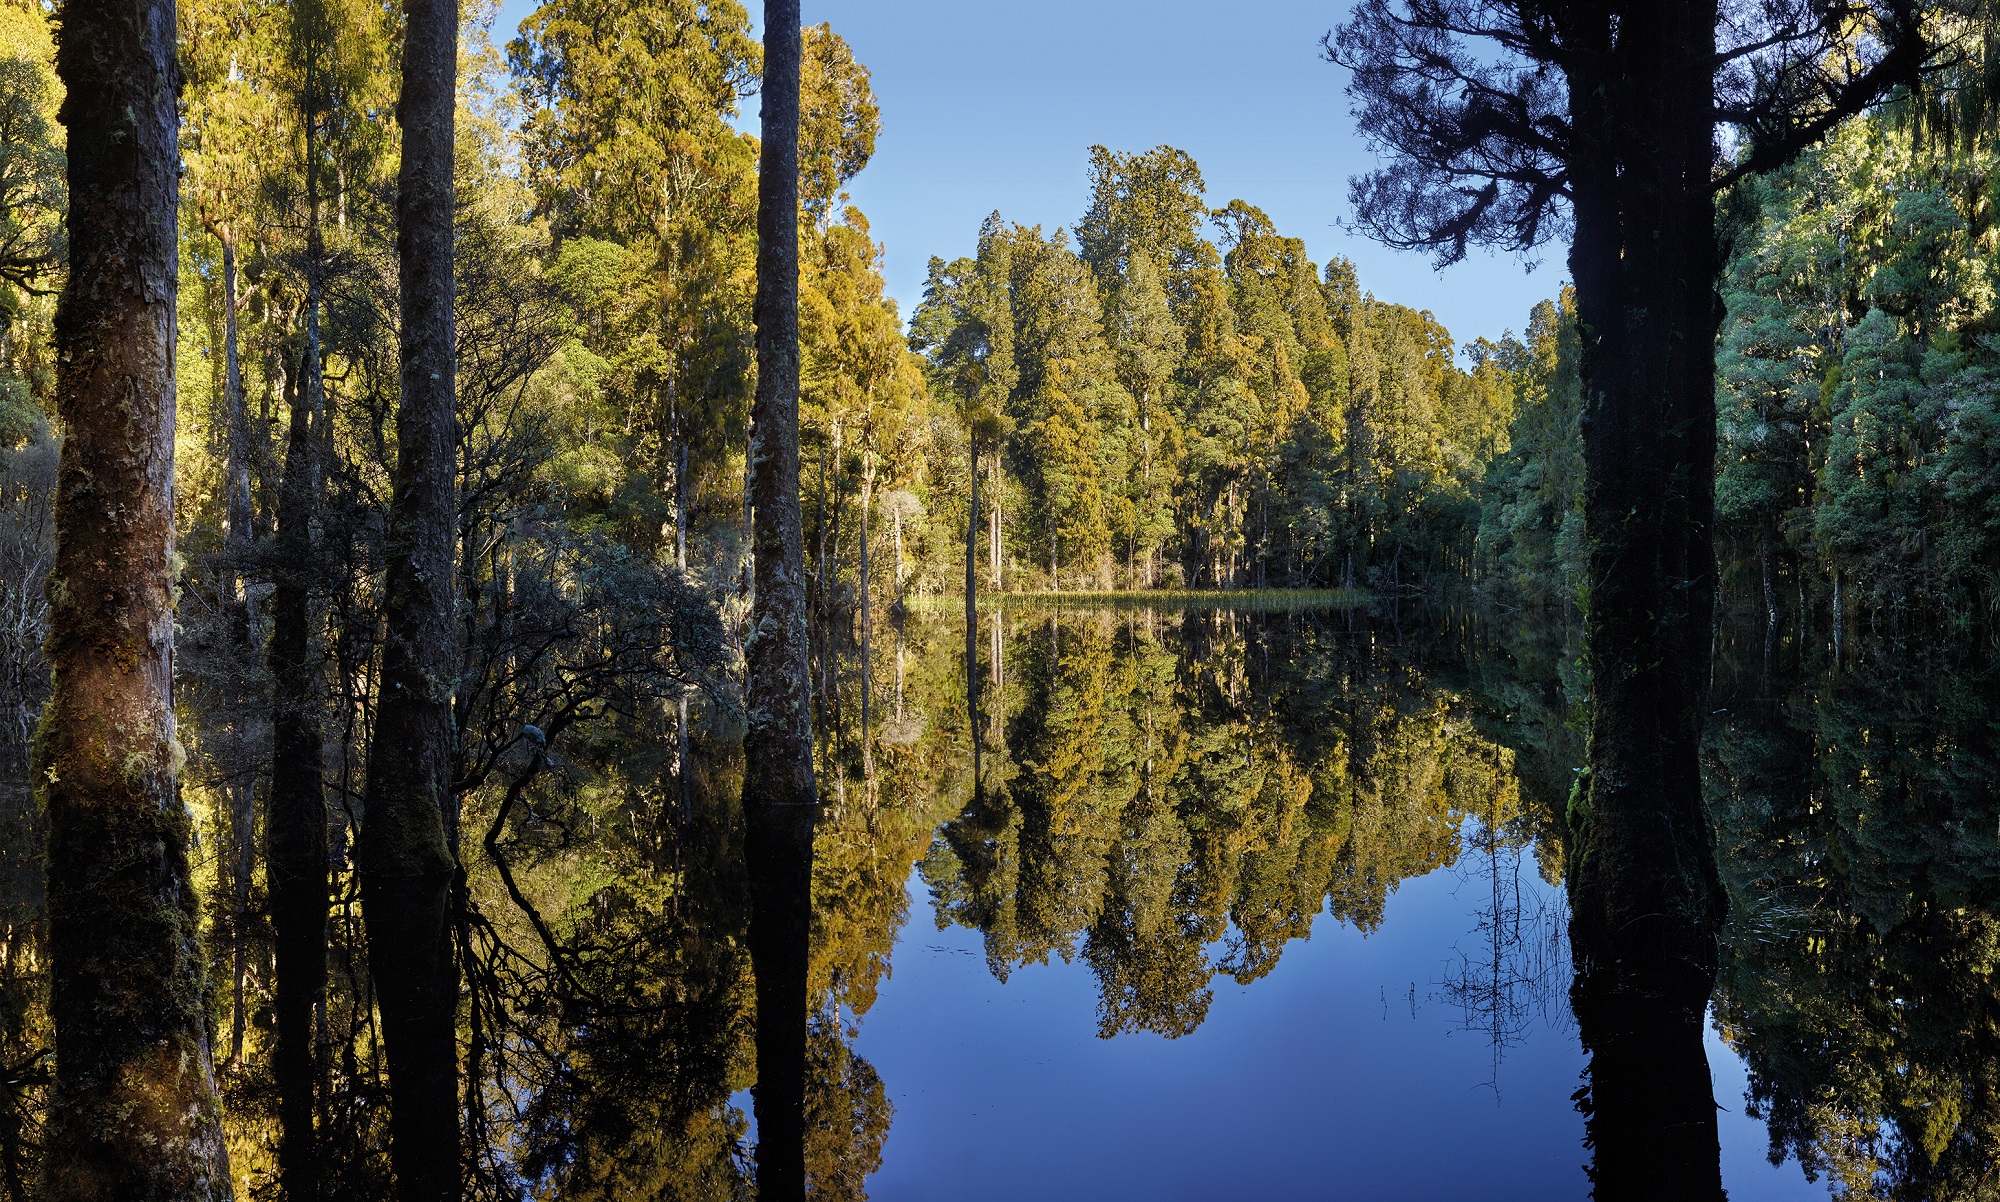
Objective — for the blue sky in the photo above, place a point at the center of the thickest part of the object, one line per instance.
(994, 106)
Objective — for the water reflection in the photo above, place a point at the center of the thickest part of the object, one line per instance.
(1859, 820)
(1165, 806)
(1180, 796)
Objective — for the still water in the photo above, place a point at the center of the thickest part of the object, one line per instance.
(1199, 903)
(1202, 904)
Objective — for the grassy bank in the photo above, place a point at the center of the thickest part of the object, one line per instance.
(1237, 599)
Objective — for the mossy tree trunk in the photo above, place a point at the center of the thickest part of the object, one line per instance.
(780, 799)
(133, 1114)
(404, 853)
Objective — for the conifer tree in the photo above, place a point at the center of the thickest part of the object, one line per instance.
(1148, 345)
(627, 139)
(134, 1113)
(780, 799)
(406, 852)
(1513, 122)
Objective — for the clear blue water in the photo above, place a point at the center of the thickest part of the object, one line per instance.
(1353, 1070)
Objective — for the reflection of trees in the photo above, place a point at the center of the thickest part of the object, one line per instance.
(1187, 804)
(1859, 822)
(608, 987)
(1510, 975)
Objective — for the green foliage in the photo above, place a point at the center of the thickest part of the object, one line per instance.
(1855, 377)
(1207, 413)
(1531, 545)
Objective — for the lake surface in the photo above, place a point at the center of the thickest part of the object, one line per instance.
(1221, 904)
(1192, 903)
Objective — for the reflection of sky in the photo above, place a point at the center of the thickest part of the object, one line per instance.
(1746, 1145)
(1315, 1082)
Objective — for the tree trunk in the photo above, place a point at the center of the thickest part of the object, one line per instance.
(993, 552)
(897, 517)
(241, 618)
(405, 854)
(1839, 619)
(867, 610)
(296, 853)
(242, 837)
(971, 588)
(1770, 605)
(819, 545)
(681, 491)
(1651, 1114)
(295, 830)
(237, 513)
(779, 798)
(1646, 899)
(133, 1115)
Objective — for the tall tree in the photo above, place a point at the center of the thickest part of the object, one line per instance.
(296, 866)
(780, 801)
(405, 854)
(629, 138)
(134, 1111)
(296, 870)
(1513, 121)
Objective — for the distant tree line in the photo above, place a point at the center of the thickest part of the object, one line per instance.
(1184, 398)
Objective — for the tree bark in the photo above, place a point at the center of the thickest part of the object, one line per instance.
(405, 853)
(897, 517)
(1646, 898)
(972, 597)
(133, 1115)
(295, 829)
(241, 618)
(779, 797)
(681, 491)
(237, 511)
(867, 609)
(296, 870)
(999, 497)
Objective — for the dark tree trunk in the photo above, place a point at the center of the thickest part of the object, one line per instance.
(1643, 260)
(296, 856)
(972, 603)
(1650, 1105)
(404, 854)
(1645, 895)
(1770, 605)
(133, 1115)
(295, 829)
(779, 798)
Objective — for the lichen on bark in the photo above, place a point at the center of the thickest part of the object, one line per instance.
(133, 1114)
